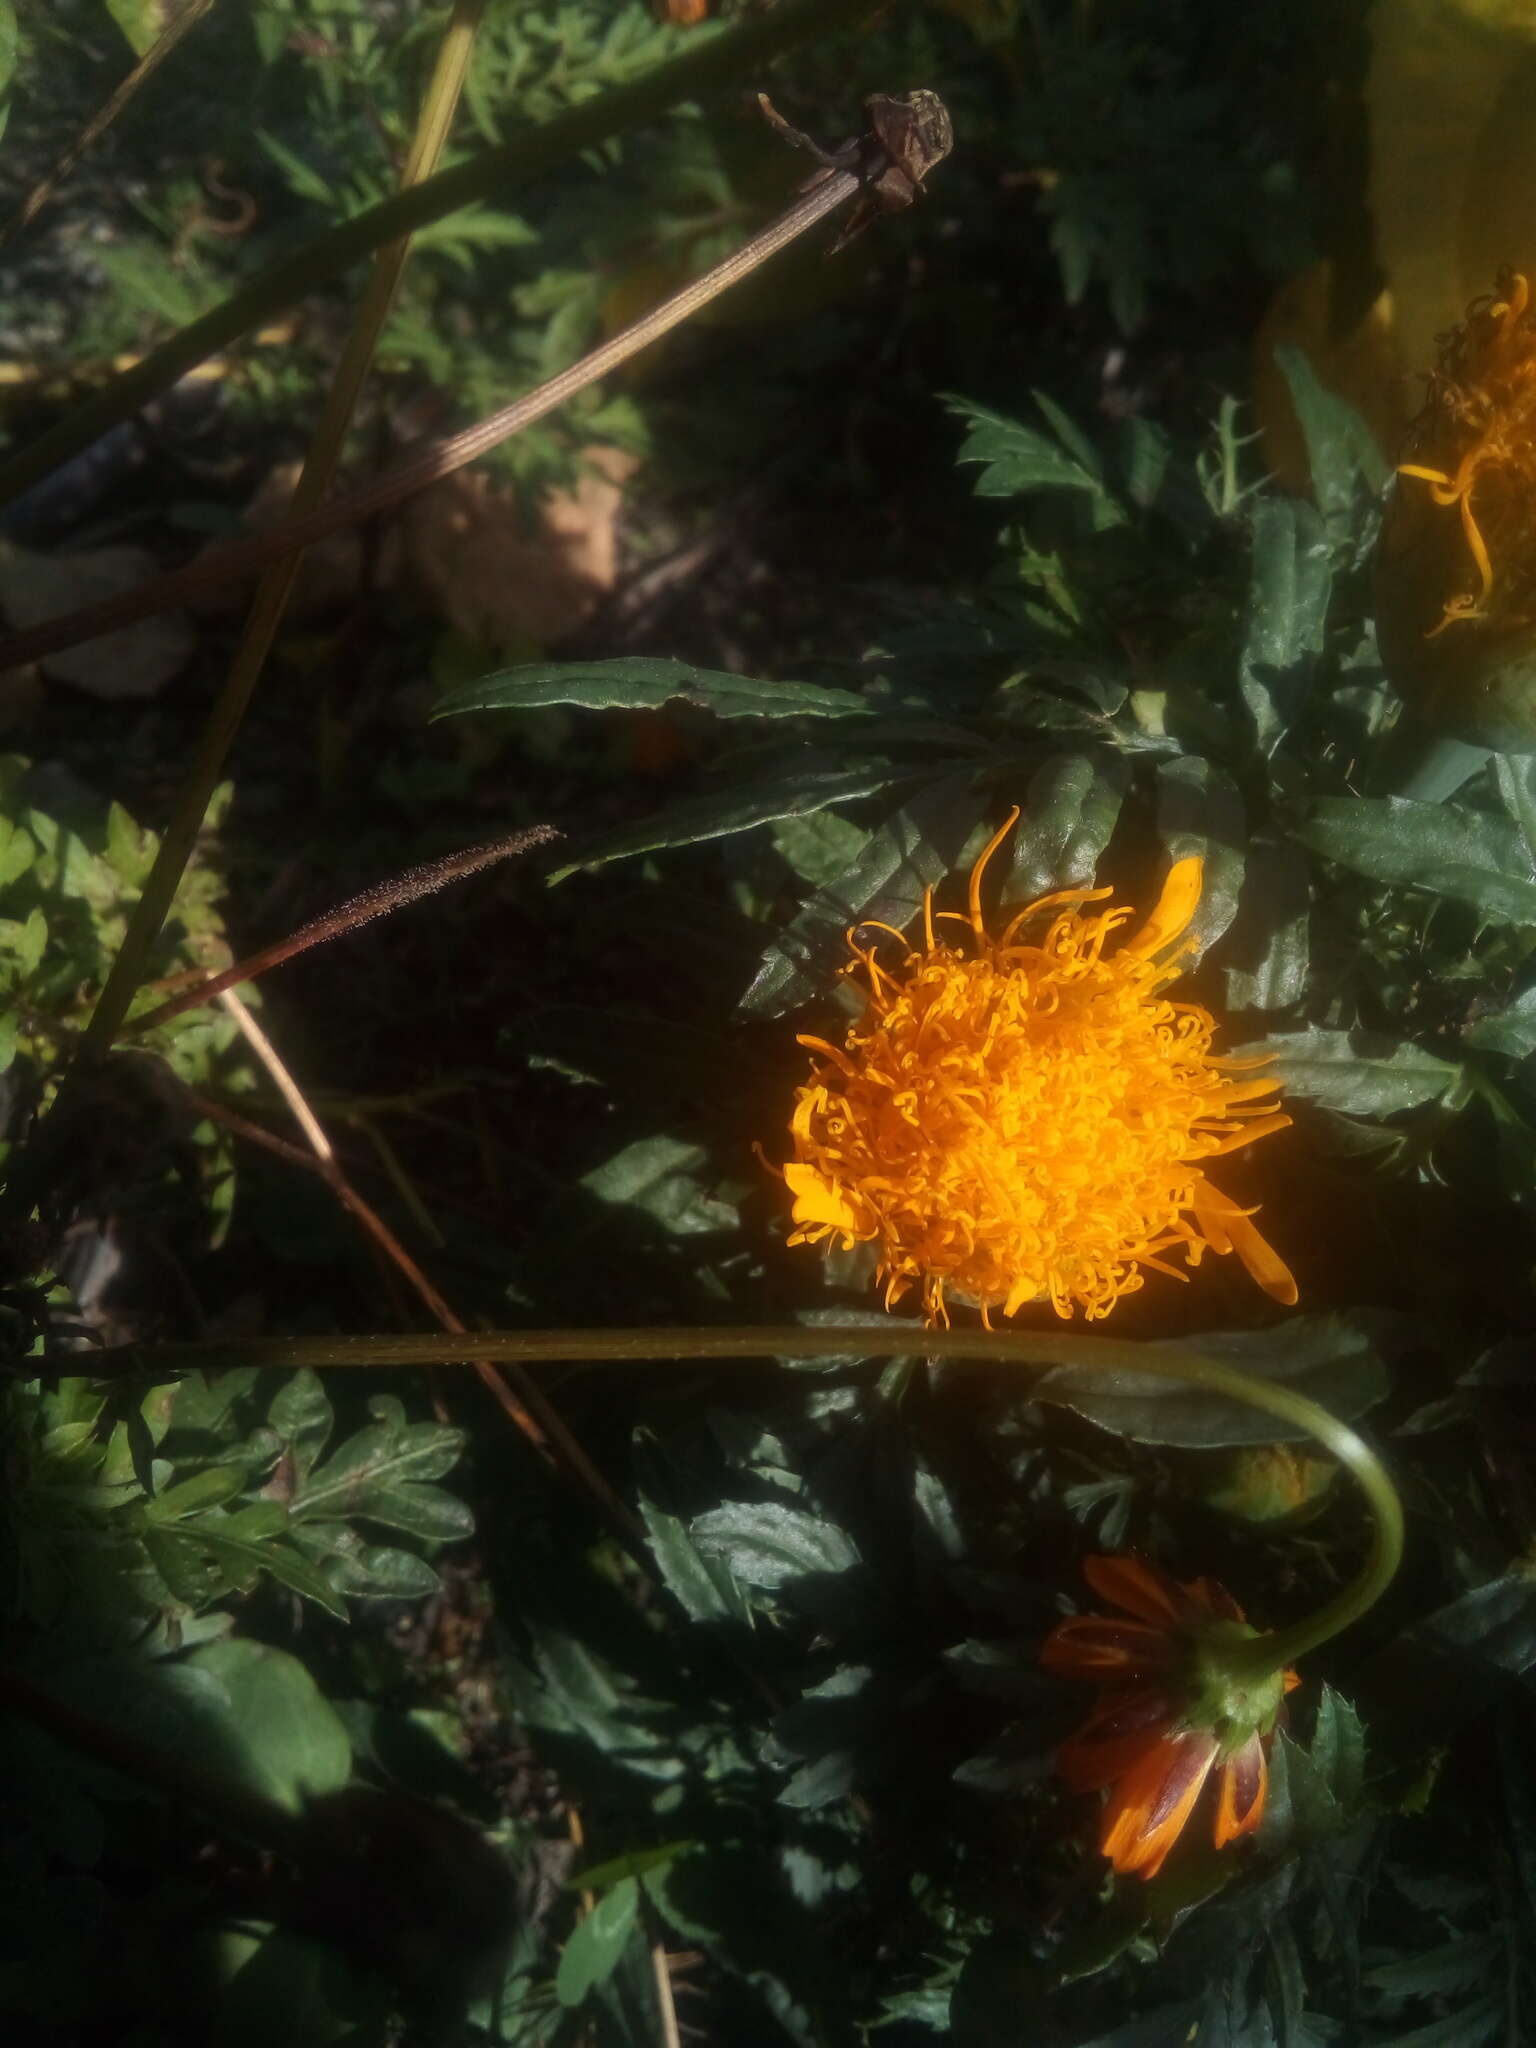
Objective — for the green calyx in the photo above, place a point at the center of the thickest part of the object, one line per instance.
(1230, 1692)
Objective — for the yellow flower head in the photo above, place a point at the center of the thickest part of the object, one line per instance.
(1028, 1119)
(1456, 564)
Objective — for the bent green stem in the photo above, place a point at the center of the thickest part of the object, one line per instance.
(1254, 1659)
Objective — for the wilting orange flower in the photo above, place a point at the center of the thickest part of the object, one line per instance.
(1456, 564)
(1478, 433)
(1169, 1716)
(1019, 1120)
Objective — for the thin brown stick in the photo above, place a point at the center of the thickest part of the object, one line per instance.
(180, 25)
(375, 901)
(433, 463)
(670, 2037)
(524, 1401)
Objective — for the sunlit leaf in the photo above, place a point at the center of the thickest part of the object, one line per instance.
(1471, 856)
(913, 850)
(1069, 812)
(1358, 1072)
(592, 1952)
(644, 683)
(724, 812)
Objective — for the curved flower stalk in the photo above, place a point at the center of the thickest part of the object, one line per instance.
(1028, 1118)
(1173, 1712)
(1456, 562)
(1249, 1656)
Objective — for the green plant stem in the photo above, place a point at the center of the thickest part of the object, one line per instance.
(1262, 1656)
(272, 592)
(710, 60)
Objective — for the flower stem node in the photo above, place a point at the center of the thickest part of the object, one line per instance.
(1027, 1117)
(1188, 1693)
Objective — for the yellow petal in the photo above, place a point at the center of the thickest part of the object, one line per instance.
(1264, 1263)
(1253, 1129)
(1176, 905)
(818, 1200)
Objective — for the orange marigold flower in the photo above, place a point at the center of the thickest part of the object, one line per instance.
(1022, 1119)
(1169, 1715)
(1456, 563)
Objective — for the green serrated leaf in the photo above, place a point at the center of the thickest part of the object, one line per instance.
(660, 1177)
(726, 812)
(770, 1546)
(1470, 856)
(912, 851)
(1070, 810)
(1357, 1072)
(1342, 451)
(1269, 954)
(1338, 1748)
(1515, 779)
(378, 1473)
(644, 683)
(1510, 1032)
(1018, 460)
(1287, 613)
(364, 1570)
(302, 1417)
(1338, 1360)
(702, 1585)
(1436, 1972)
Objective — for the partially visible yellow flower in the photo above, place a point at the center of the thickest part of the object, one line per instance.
(1456, 565)
(1018, 1120)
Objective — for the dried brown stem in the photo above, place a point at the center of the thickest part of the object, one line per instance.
(375, 901)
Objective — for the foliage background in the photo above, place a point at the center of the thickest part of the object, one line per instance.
(986, 486)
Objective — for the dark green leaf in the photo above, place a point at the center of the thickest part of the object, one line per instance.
(1515, 779)
(658, 1176)
(1070, 809)
(378, 1475)
(1478, 2025)
(643, 683)
(1494, 1624)
(1357, 1072)
(1287, 611)
(1452, 1966)
(1470, 856)
(1336, 1360)
(283, 1735)
(1268, 954)
(727, 811)
(820, 1782)
(771, 1546)
(914, 849)
(365, 1570)
(1341, 447)
(1338, 1748)
(1200, 812)
(703, 1586)
(1510, 1032)
(596, 1943)
(1018, 459)
(301, 1415)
